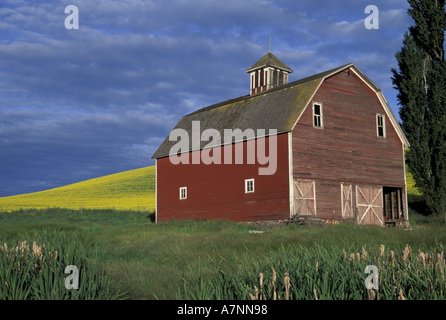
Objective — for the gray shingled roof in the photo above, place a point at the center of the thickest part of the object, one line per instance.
(278, 109)
(269, 60)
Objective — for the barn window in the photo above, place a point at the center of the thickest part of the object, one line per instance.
(274, 77)
(317, 115)
(183, 193)
(249, 185)
(380, 125)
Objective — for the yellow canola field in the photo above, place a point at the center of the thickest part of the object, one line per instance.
(129, 190)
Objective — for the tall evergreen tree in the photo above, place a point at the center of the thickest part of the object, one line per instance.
(421, 85)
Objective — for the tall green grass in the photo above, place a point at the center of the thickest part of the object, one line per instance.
(34, 269)
(175, 259)
(321, 273)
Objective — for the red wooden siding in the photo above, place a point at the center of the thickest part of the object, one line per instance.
(347, 149)
(217, 191)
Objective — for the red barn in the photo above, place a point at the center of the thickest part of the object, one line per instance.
(325, 147)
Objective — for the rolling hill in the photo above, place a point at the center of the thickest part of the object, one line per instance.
(129, 190)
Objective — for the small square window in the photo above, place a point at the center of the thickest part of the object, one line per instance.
(249, 185)
(183, 193)
(380, 125)
(317, 115)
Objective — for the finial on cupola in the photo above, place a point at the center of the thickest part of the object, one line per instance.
(270, 42)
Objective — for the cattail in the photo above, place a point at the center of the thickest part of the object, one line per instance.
(287, 286)
(406, 253)
(257, 293)
(441, 264)
(421, 257)
(345, 253)
(401, 297)
(261, 286)
(392, 254)
(274, 285)
(364, 252)
(382, 250)
(39, 251)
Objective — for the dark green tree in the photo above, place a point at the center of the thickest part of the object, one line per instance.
(421, 85)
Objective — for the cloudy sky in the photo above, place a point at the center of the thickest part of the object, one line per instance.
(76, 104)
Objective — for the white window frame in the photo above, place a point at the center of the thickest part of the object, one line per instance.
(383, 125)
(249, 186)
(320, 116)
(183, 193)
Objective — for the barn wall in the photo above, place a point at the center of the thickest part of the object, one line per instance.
(217, 191)
(347, 149)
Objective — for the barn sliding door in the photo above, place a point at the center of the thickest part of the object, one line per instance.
(304, 198)
(370, 205)
(346, 201)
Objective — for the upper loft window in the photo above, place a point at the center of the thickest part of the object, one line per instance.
(380, 125)
(317, 115)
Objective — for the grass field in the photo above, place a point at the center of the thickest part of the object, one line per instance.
(129, 190)
(179, 259)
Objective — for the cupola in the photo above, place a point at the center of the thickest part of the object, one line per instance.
(267, 73)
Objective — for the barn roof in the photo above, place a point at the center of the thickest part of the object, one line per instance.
(269, 60)
(278, 108)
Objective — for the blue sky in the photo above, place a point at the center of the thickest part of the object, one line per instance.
(76, 104)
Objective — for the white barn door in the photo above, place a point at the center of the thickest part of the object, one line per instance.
(304, 198)
(370, 205)
(346, 201)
